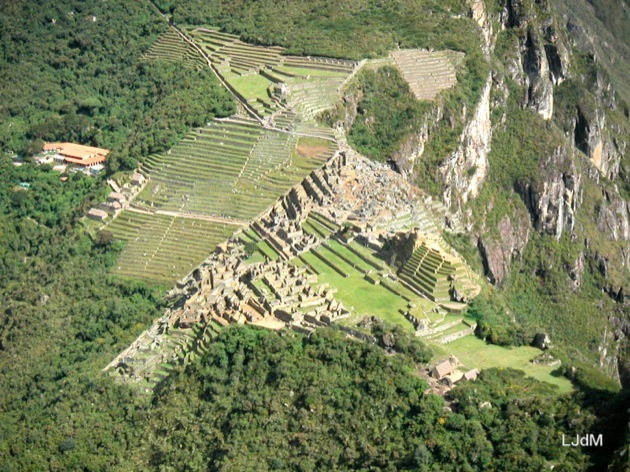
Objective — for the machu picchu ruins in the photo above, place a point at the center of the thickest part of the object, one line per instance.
(303, 225)
(365, 235)
(335, 222)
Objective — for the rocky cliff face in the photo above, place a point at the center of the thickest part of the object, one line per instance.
(613, 217)
(413, 148)
(479, 13)
(592, 136)
(542, 58)
(554, 200)
(498, 252)
(464, 172)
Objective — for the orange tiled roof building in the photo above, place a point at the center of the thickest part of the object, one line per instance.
(78, 154)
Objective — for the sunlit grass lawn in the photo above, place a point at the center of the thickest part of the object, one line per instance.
(356, 292)
(474, 352)
(250, 86)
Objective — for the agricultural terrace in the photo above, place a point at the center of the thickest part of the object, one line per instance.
(162, 248)
(171, 47)
(429, 272)
(364, 289)
(366, 285)
(231, 169)
(428, 73)
(258, 74)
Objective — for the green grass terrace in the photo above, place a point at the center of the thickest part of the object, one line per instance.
(171, 47)
(162, 249)
(358, 276)
(231, 168)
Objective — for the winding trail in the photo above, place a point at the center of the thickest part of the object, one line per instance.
(190, 215)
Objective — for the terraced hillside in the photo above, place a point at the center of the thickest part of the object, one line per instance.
(230, 169)
(178, 347)
(214, 181)
(257, 73)
(229, 53)
(310, 98)
(431, 272)
(223, 175)
(170, 46)
(162, 248)
(428, 73)
(366, 286)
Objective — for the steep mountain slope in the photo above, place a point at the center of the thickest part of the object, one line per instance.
(528, 150)
(537, 171)
(600, 27)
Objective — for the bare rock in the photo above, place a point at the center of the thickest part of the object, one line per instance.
(465, 171)
(613, 217)
(592, 136)
(457, 296)
(389, 341)
(554, 200)
(542, 341)
(497, 253)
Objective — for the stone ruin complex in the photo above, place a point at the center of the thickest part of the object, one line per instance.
(361, 199)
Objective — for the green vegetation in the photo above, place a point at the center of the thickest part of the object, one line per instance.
(72, 71)
(473, 352)
(386, 114)
(63, 317)
(250, 86)
(58, 408)
(430, 273)
(171, 46)
(229, 168)
(327, 403)
(540, 294)
(253, 70)
(356, 31)
(606, 22)
(322, 28)
(150, 241)
(92, 72)
(354, 290)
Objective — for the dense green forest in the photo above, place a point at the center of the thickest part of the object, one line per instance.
(336, 29)
(62, 317)
(262, 401)
(72, 70)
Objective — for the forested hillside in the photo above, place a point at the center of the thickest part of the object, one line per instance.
(263, 400)
(259, 401)
(72, 70)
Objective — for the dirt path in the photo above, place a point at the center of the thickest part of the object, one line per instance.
(192, 216)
